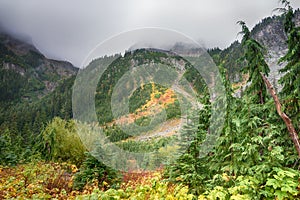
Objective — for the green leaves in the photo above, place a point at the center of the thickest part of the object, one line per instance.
(60, 141)
(284, 183)
(279, 183)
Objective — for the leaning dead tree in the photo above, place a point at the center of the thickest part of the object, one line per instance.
(285, 118)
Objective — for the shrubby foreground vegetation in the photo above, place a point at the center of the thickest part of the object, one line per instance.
(256, 156)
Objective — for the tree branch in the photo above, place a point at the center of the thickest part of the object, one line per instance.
(285, 118)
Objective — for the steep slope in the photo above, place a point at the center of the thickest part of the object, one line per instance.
(33, 89)
(270, 33)
(150, 92)
(26, 74)
(146, 96)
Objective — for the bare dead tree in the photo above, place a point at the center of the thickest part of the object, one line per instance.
(285, 118)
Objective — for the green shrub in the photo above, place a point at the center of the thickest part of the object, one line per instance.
(8, 154)
(60, 142)
(94, 170)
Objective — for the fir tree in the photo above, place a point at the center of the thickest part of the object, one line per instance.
(291, 79)
(256, 64)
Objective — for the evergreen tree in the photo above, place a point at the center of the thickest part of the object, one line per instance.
(291, 79)
(223, 154)
(256, 64)
(189, 169)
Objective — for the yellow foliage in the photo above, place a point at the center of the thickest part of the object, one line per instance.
(225, 177)
(47, 181)
(74, 168)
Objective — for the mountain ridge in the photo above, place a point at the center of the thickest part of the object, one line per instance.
(38, 74)
(28, 78)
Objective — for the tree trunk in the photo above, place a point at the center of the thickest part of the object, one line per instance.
(285, 118)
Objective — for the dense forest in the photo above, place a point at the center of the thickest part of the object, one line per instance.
(256, 155)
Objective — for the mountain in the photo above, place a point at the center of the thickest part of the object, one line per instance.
(26, 74)
(140, 100)
(33, 89)
(270, 33)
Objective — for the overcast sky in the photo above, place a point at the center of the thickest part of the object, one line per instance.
(69, 29)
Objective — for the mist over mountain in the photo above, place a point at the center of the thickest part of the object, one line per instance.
(38, 75)
(270, 33)
(20, 56)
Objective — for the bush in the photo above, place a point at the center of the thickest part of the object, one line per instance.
(280, 183)
(60, 142)
(10, 148)
(156, 189)
(93, 170)
(36, 180)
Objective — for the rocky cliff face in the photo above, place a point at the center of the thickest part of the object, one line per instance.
(270, 33)
(36, 75)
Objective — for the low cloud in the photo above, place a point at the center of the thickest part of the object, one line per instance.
(69, 29)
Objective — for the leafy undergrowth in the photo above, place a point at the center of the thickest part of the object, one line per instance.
(37, 180)
(40, 180)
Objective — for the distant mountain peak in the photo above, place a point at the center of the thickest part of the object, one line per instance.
(20, 45)
(36, 74)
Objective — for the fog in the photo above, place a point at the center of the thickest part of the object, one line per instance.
(69, 30)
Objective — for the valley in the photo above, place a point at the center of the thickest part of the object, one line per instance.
(152, 134)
